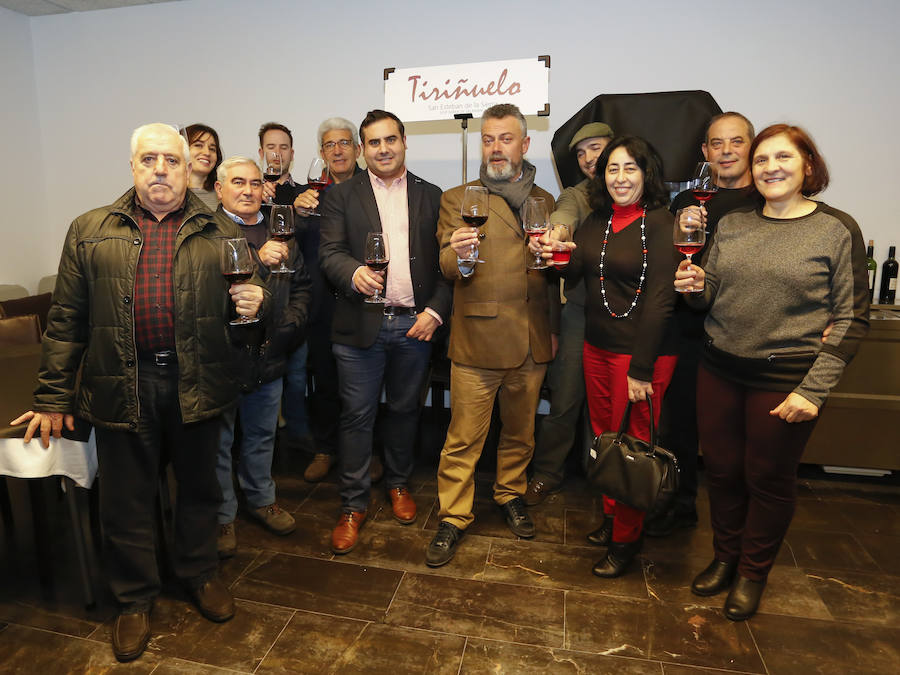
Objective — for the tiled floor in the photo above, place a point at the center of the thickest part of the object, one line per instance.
(501, 606)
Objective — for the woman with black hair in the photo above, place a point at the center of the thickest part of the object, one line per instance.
(625, 254)
(206, 155)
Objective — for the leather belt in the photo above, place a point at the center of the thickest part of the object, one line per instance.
(394, 310)
(162, 359)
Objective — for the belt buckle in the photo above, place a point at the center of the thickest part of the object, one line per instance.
(163, 358)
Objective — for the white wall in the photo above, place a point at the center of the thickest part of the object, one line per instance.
(828, 65)
(23, 224)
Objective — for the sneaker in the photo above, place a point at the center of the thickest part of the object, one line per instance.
(275, 519)
(227, 541)
(442, 548)
(317, 468)
(538, 491)
(517, 518)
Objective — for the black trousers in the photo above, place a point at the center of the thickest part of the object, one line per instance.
(678, 422)
(130, 465)
(324, 401)
(751, 461)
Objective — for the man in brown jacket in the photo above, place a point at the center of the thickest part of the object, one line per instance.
(500, 340)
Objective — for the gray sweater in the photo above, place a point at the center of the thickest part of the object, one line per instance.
(773, 286)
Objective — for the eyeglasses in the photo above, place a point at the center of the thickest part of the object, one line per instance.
(344, 143)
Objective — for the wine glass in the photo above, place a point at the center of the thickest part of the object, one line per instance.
(560, 236)
(535, 223)
(377, 260)
(703, 183)
(237, 267)
(273, 169)
(474, 211)
(689, 238)
(318, 181)
(281, 227)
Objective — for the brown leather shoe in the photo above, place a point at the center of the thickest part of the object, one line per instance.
(130, 635)
(346, 532)
(538, 491)
(318, 468)
(403, 505)
(214, 600)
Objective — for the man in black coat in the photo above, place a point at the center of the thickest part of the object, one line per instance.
(381, 344)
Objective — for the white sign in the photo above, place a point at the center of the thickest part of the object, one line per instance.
(440, 92)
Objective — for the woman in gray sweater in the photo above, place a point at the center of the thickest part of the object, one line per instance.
(776, 277)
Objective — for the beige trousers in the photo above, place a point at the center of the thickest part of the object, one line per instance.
(472, 394)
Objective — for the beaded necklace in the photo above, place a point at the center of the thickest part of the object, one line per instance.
(637, 294)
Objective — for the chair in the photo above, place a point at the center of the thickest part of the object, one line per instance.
(47, 284)
(11, 291)
(20, 330)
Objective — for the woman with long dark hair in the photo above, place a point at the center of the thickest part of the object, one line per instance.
(776, 277)
(625, 255)
(206, 155)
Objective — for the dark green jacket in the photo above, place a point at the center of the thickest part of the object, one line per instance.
(91, 322)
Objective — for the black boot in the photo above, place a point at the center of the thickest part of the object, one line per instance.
(618, 557)
(603, 534)
(743, 600)
(714, 579)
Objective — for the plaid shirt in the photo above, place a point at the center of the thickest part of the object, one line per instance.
(154, 299)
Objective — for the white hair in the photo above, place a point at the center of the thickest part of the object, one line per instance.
(338, 124)
(222, 170)
(159, 127)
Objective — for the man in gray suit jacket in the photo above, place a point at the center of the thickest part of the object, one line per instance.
(381, 344)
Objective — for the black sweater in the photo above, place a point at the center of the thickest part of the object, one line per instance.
(649, 330)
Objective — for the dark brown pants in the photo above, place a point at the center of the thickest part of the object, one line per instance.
(751, 461)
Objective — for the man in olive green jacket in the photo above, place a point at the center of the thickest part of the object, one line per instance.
(140, 311)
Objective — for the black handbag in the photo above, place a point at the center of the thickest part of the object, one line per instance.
(629, 470)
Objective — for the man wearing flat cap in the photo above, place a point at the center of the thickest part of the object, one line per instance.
(566, 378)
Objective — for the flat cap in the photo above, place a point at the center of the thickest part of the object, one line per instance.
(592, 130)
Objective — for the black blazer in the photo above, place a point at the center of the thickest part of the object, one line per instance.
(349, 213)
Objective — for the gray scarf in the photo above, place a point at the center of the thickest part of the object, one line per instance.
(515, 193)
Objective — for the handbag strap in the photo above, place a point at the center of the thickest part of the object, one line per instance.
(626, 416)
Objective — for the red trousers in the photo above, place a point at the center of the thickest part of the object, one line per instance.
(606, 388)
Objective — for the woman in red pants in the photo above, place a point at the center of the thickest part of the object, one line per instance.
(776, 277)
(625, 255)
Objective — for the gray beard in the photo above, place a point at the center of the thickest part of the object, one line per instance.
(506, 173)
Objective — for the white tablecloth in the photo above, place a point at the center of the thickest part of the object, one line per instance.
(64, 457)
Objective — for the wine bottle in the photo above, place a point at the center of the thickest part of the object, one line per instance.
(872, 266)
(888, 279)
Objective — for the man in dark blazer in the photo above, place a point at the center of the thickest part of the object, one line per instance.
(381, 344)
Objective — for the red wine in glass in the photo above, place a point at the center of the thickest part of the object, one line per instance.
(237, 266)
(562, 258)
(377, 259)
(284, 238)
(688, 249)
(271, 177)
(237, 277)
(318, 185)
(474, 221)
(474, 212)
(281, 228)
(703, 195)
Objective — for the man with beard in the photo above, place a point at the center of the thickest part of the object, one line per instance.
(499, 337)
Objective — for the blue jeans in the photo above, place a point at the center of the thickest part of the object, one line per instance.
(294, 408)
(259, 419)
(401, 365)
